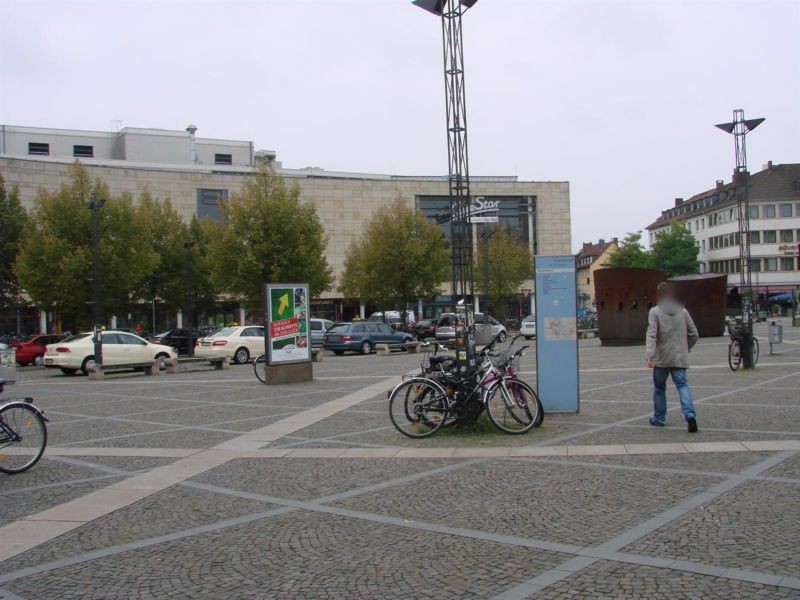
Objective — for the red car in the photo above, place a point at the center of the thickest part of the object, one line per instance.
(32, 350)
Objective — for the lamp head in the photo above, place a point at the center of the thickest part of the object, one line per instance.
(437, 6)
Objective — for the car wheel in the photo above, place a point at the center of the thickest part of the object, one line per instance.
(366, 347)
(338, 352)
(38, 360)
(88, 365)
(68, 372)
(528, 337)
(241, 356)
(162, 361)
(502, 337)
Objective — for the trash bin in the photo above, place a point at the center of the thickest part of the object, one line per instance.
(8, 365)
(775, 333)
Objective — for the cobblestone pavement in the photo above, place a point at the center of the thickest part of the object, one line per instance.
(211, 485)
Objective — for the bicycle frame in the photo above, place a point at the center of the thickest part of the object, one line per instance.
(8, 435)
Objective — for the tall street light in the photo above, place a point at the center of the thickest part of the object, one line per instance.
(94, 205)
(450, 12)
(739, 128)
(189, 325)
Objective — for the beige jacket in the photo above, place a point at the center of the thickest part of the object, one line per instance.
(671, 333)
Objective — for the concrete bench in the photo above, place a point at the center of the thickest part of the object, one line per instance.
(174, 364)
(587, 333)
(149, 368)
(317, 354)
(383, 349)
(413, 347)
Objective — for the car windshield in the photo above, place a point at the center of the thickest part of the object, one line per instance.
(339, 327)
(76, 338)
(529, 319)
(224, 332)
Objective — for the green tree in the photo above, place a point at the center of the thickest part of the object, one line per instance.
(13, 220)
(400, 257)
(675, 251)
(206, 294)
(502, 264)
(54, 264)
(631, 253)
(166, 234)
(270, 235)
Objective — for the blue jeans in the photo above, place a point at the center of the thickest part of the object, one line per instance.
(660, 376)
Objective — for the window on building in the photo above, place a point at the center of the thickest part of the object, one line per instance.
(703, 222)
(770, 237)
(797, 210)
(769, 211)
(38, 148)
(755, 265)
(703, 245)
(787, 263)
(787, 235)
(223, 159)
(786, 210)
(770, 264)
(755, 237)
(83, 151)
(209, 202)
(754, 212)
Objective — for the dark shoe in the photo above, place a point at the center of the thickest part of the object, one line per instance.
(692, 422)
(655, 423)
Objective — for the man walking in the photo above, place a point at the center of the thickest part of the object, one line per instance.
(671, 333)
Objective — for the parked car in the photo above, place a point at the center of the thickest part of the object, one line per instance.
(393, 315)
(119, 347)
(177, 338)
(318, 328)
(528, 327)
(362, 337)
(446, 330)
(32, 350)
(239, 344)
(425, 329)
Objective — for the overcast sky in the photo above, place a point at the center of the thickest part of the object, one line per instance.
(617, 97)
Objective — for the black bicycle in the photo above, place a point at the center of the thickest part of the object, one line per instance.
(736, 347)
(23, 434)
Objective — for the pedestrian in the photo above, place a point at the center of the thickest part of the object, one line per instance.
(671, 333)
(138, 329)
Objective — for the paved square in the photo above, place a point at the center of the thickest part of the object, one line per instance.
(209, 484)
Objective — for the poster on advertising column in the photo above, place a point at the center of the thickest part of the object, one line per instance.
(286, 319)
(557, 333)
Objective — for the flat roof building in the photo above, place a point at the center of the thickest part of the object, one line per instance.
(195, 172)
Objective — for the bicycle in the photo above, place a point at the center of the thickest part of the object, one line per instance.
(736, 345)
(23, 434)
(449, 392)
(260, 367)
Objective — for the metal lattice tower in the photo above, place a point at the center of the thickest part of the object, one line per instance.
(451, 12)
(739, 128)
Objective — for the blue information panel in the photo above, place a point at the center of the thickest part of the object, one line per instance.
(557, 333)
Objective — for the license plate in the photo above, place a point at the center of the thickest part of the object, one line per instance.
(48, 361)
(205, 344)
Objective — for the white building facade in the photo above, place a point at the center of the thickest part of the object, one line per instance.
(713, 219)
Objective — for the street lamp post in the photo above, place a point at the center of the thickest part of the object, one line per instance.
(94, 205)
(739, 128)
(450, 12)
(189, 325)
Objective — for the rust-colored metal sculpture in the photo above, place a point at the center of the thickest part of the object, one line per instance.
(704, 296)
(624, 297)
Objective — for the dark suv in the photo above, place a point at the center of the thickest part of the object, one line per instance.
(176, 338)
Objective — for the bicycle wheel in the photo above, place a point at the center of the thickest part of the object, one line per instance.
(755, 351)
(514, 407)
(260, 367)
(23, 437)
(734, 354)
(418, 408)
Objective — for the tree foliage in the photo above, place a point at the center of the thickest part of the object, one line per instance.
(400, 257)
(54, 264)
(13, 220)
(502, 264)
(631, 253)
(675, 251)
(270, 235)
